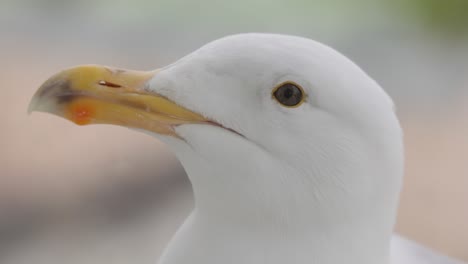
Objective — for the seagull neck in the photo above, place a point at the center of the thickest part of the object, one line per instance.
(228, 242)
(293, 235)
(247, 214)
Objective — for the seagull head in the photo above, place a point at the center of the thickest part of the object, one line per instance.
(274, 132)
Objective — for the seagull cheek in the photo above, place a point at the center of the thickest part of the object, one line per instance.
(102, 95)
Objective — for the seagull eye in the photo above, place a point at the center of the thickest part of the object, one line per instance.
(289, 94)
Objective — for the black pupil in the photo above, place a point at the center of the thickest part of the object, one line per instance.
(288, 94)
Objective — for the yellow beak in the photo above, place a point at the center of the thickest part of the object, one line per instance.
(94, 94)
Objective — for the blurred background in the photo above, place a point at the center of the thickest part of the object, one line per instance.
(102, 194)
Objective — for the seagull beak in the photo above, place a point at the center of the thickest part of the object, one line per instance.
(94, 94)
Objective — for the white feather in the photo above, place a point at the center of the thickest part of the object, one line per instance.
(314, 184)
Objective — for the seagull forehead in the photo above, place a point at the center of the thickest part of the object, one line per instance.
(231, 79)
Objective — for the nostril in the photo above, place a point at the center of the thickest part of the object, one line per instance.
(109, 84)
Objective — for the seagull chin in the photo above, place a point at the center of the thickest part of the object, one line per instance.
(295, 154)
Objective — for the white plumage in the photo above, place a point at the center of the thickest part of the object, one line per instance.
(313, 184)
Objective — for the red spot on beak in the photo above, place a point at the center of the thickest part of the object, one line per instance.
(82, 114)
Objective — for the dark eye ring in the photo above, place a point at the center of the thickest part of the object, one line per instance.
(289, 94)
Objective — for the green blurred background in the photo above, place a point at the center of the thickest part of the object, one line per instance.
(105, 194)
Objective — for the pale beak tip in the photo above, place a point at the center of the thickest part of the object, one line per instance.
(41, 104)
(33, 105)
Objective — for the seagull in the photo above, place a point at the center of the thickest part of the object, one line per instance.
(294, 153)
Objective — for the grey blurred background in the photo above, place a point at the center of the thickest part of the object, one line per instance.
(102, 194)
